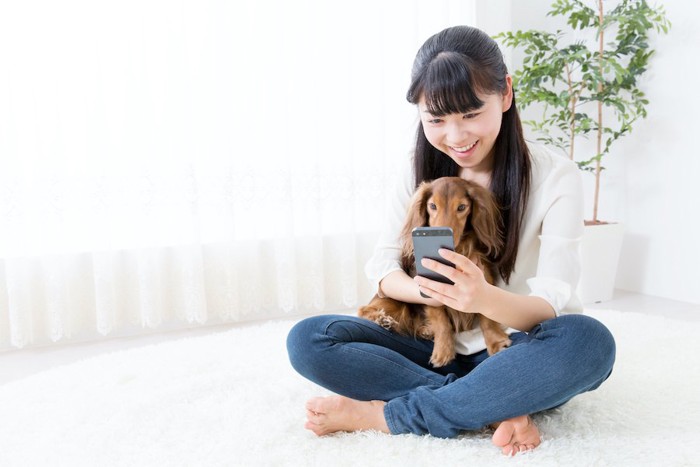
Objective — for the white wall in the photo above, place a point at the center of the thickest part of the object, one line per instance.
(652, 181)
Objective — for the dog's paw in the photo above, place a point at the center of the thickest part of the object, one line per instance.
(386, 321)
(425, 332)
(441, 358)
(378, 316)
(495, 347)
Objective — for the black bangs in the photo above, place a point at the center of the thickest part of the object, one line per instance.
(449, 84)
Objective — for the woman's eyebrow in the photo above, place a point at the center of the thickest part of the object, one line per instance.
(468, 111)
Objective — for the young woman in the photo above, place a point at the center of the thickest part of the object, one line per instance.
(469, 127)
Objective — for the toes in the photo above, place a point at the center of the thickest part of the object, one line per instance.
(319, 405)
(316, 422)
(509, 450)
(314, 419)
(312, 404)
(316, 429)
(517, 435)
(312, 416)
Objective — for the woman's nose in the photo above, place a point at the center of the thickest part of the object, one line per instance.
(456, 132)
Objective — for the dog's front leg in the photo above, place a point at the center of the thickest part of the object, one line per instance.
(444, 347)
(495, 337)
(386, 312)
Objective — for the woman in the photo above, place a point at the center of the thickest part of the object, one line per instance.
(469, 127)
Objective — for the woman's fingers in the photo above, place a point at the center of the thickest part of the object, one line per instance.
(466, 277)
(461, 262)
(438, 291)
(462, 265)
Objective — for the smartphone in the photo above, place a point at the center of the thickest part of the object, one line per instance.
(426, 243)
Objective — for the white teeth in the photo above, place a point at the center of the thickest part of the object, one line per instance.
(465, 148)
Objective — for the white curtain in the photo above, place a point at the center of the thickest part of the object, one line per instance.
(166, 164)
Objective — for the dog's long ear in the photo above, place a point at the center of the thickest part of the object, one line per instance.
(417, 216)
(486, 219)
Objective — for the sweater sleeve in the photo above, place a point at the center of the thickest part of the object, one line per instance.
(386, 257)
(558, 269)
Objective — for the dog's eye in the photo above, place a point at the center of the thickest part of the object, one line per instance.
(432, 206)
(461, 207)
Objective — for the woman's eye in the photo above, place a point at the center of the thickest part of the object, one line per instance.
(432, 206)
(461, 207)
(469, 116)
(435, 121)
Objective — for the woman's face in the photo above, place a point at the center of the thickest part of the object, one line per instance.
(468, 139)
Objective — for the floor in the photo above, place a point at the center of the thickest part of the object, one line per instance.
(19, 364)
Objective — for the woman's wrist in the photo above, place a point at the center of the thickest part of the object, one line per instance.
(521, 312)
(400, 286)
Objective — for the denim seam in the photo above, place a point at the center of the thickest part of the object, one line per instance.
(389, 333)
(346, 347)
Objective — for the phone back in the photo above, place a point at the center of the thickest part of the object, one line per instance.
(426, 243)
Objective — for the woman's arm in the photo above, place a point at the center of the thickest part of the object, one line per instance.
(383, 269)
(400, 286)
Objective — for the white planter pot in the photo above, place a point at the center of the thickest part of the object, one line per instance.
(600, 253)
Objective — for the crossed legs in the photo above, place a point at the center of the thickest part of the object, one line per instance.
(385, 381)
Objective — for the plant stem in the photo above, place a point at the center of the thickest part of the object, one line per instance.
(599, 144)
(572, 122)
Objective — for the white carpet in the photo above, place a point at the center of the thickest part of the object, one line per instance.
(232, 399)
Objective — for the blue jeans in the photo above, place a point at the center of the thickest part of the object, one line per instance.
(542, 369)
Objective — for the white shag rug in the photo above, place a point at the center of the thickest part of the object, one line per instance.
(232, 399)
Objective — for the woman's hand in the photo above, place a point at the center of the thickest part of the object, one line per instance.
(469, 289)
(472, 294)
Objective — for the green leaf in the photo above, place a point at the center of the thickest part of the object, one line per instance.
(563, 73)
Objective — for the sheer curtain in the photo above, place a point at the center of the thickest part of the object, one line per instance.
(179, 163)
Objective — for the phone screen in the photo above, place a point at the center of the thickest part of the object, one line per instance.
(426, 243)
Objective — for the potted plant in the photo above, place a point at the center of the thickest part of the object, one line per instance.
(586, 81)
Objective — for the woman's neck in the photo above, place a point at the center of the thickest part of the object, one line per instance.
(482, 178)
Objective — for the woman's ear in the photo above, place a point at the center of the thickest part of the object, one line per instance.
(508, 94)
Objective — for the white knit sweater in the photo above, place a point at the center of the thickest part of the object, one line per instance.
(548, 263)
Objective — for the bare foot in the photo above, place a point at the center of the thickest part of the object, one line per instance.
(516, 435)
(337, 413)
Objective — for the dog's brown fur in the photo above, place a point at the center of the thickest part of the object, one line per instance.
(471, 211)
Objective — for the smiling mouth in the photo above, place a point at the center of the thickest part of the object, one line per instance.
(465, 148)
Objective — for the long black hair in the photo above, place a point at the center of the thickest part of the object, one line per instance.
(449, 70)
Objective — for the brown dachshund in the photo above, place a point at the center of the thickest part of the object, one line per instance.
(472, 213)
